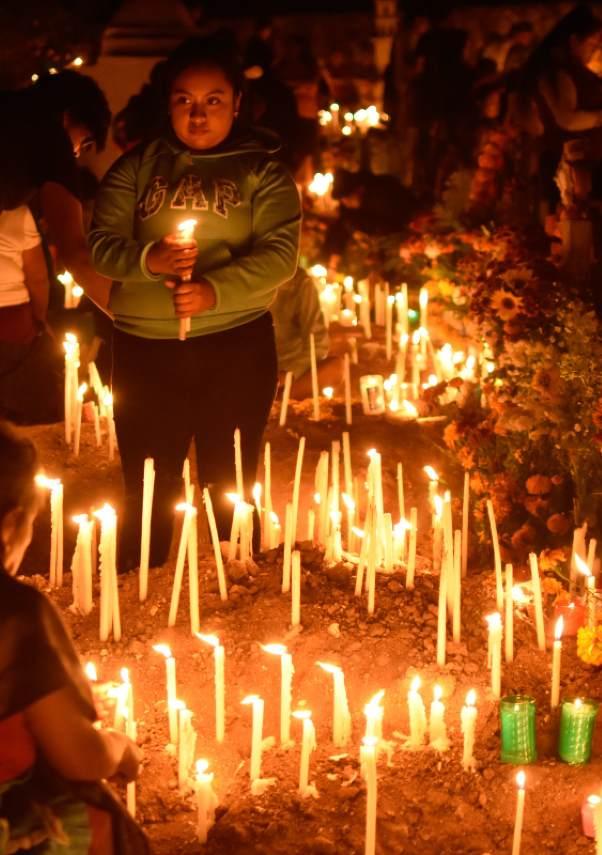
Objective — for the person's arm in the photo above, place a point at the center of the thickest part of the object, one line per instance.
(35, 273)
(250, 281)
(115, 252)
(73, 746)
(64, 218)
(561, 97)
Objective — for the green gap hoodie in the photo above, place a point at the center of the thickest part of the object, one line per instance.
(248, 212)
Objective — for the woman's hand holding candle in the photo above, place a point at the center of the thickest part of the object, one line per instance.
(172, 255)
(192, 298)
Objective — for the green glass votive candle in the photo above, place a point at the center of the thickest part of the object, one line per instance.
(577, 720)
(517, 715)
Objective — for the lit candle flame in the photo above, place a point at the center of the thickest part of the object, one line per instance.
(374, 702)
(437, 692)
(301, 714)
(520, 780)
(581, 565)
(415, 684)
(276, 649)
(559, 628)
(201, 767)
(471, 698)
(250, 699)
(494, 620)
(348, 502)
(163, 649)
(328, 392)
(212, 640)
(91, 672)
(330, 669)
(430, 473)
(186, 229)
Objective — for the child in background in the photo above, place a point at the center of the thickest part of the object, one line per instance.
(52, 758)
(297, 313)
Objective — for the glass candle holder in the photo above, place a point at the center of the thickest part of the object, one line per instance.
(587, 814)
(574, 614)
(517, 716)
(373, 394)
(577, 721)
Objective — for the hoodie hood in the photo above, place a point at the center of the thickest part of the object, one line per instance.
(240, 140)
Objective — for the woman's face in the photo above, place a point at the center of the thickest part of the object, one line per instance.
(202, 107)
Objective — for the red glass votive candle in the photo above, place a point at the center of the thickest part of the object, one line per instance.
(574, 614)
(587, 814)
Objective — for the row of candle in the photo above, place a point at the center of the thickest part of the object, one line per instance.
(517, 720)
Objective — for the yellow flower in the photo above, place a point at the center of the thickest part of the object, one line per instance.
(506, 304)
(589, 645)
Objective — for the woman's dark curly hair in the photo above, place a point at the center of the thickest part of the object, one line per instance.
(79, 96)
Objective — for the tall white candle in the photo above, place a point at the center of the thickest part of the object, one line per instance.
(442, 611)
(296, 588)
(288, 381)
(347, 386)
(288, 548)
(495, 646)
(109, 595)
(286, 688)
(457, 598)
(509, 616)
(240, 483)
(556, 657)
(180, 561)
(79, 406)
(537, 601)
(417, 715)
(368, 767)
(341, 718)
(186, 745)
(171, 696)
(219, 683)
(186, 230)
(437, 727)
(465, 512)
(217, 552)
(206, 800)
(389, 328)
(145, 532)
(256, 735)
(82, 565)
(314, 378)
(308, 745)
(412, 549)
(468, 718)
(297, 489)
(582, 567)
(499, 587)
(520, 811)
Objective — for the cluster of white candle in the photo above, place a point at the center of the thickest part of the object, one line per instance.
(75, 392)
(350, 122)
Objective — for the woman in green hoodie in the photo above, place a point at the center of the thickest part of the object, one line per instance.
(223, 376)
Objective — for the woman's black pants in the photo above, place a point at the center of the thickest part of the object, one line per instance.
(168, 392)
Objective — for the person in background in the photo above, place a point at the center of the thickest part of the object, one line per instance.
(297, 313)
(30, 382)
(53, 760)
(49, 125)
(223, 376)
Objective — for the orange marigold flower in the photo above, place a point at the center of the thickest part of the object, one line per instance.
(549, 559)
(589, 644)
(450, 434)
(538, 485)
